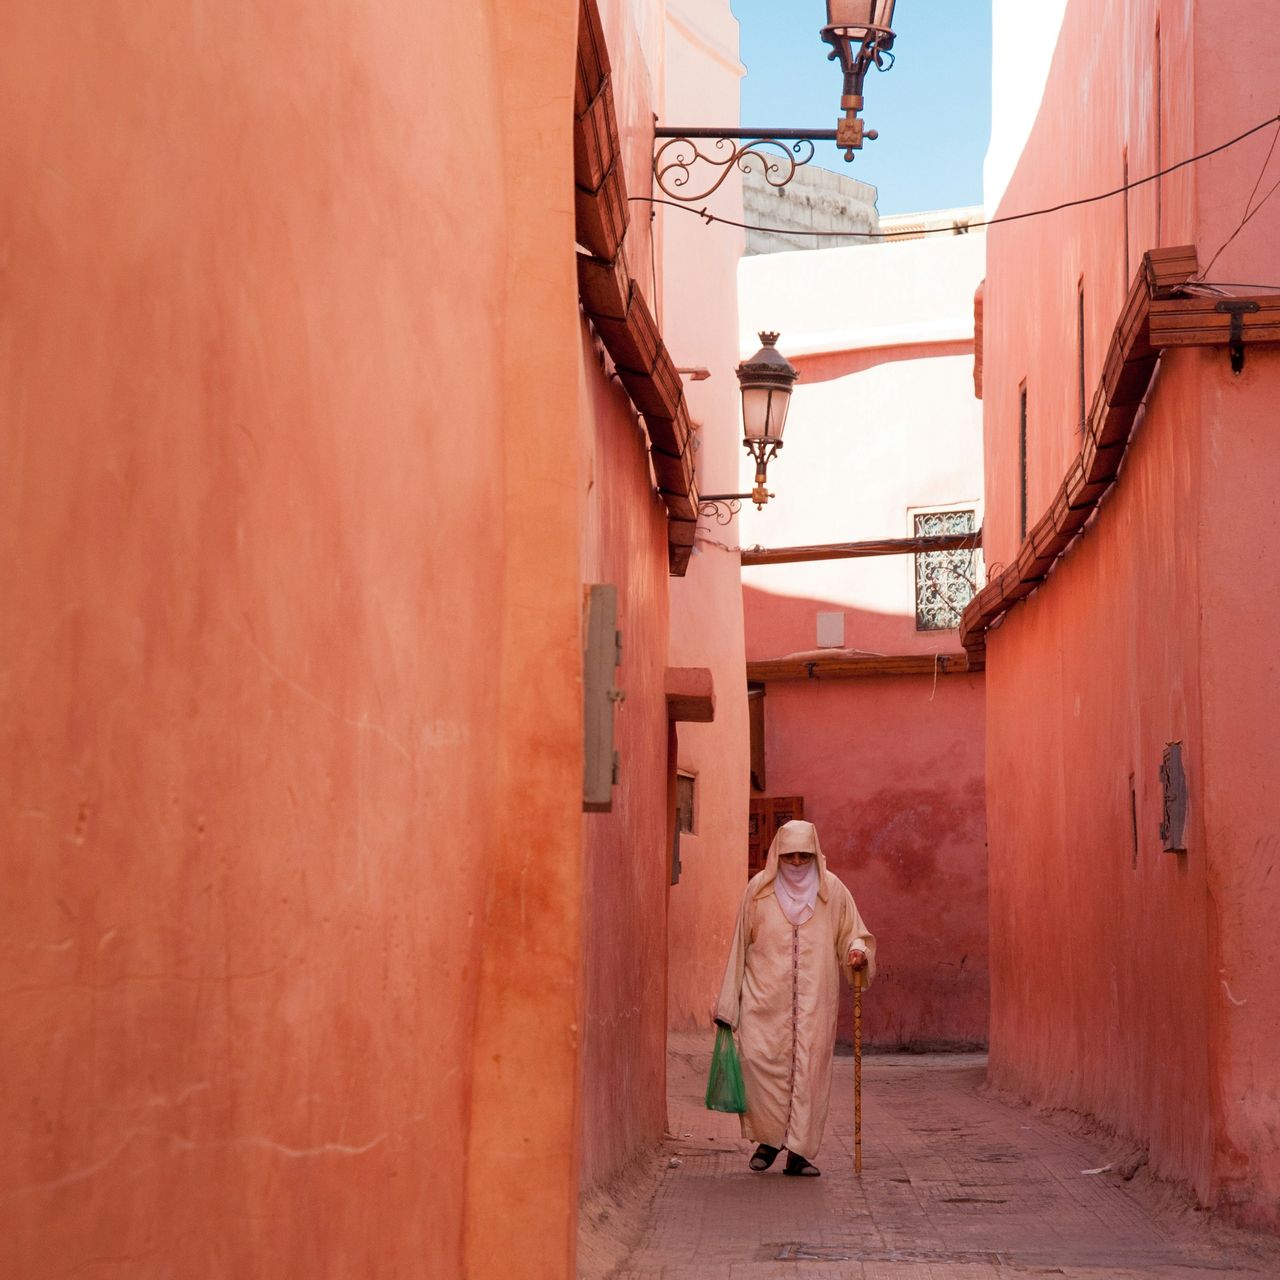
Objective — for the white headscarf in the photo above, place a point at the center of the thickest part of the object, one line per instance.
(796, 887)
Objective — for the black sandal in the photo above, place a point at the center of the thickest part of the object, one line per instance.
(799, 1167)
(763, 1157)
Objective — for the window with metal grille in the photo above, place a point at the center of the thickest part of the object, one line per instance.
(945, 580)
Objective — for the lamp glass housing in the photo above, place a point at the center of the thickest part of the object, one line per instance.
(860, 13)
(764, 412)
(766, 381)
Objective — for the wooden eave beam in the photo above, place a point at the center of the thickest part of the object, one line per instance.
(858, 550)
(612, 300)
(844, 664)
(1157, 314)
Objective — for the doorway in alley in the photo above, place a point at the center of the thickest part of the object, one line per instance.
(767, 814)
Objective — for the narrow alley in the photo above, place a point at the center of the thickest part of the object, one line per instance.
(522, 539)
(958, 1183)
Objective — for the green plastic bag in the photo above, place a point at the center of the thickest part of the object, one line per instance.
(725, 1091)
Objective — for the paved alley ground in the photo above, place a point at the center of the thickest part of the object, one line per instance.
(957, 1184)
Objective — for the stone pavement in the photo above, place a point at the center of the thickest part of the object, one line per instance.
(957, 1184)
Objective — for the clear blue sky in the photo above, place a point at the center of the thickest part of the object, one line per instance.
(933, 109)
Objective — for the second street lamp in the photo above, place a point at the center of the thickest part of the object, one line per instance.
(766, 380)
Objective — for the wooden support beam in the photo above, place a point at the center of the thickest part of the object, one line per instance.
(843, 664)
(691, 694)
(856, 550)
(1169, 268)
(1197, 322)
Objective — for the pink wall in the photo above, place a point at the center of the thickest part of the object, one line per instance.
(883, 420)
(892, 773)
(292, 871)
(1240, 465)
(700, 321)
(1130, 982)
(654, 952)
(623, 1101)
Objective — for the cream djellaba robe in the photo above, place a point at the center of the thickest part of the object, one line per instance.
(781, 995)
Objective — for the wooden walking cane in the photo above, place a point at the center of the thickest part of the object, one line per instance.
(857, 1071)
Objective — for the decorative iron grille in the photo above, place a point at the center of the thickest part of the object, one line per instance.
(945, 580)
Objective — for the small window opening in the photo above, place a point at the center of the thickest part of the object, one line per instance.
(1133, 819)
(685, 803)
(1125, 185)
(1022, 460)
(1080, 380)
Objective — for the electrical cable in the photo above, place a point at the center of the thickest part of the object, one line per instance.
(709, 217)
(1249, 207)
(1235, 284)
(1271, 150)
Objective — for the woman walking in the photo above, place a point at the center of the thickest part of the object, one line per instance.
(798, 930)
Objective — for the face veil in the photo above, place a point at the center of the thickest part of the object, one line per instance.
(796, 888)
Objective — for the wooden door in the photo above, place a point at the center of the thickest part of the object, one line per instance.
(767, 814)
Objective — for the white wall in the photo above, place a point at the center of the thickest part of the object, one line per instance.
(883, 420)
(1024, 35)
(828, 300)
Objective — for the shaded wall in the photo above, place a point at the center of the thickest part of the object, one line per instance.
(291, 871)
(891, 771)
(700, 320)
(622, 1107)
(1126, 981)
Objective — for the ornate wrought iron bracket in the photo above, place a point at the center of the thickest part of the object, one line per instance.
(779, 153)
(724, 506)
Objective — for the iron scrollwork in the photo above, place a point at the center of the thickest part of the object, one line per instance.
(723, 509)
(676, 158)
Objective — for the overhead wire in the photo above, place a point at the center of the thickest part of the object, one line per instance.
(708, 217)
(1249, 208)
(1215, 285)
(1236, 284)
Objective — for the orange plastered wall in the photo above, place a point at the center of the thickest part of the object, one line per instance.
(271, 553)
(626, 851)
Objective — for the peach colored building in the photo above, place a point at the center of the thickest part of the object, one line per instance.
(1129, 627)
(313, 963)
(883, 441)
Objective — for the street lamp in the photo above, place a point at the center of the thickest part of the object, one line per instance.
(860, 33)
(766, 381)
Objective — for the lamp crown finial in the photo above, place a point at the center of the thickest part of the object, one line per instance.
(769, 338)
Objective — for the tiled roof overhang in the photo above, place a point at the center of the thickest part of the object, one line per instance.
(1159, 313)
